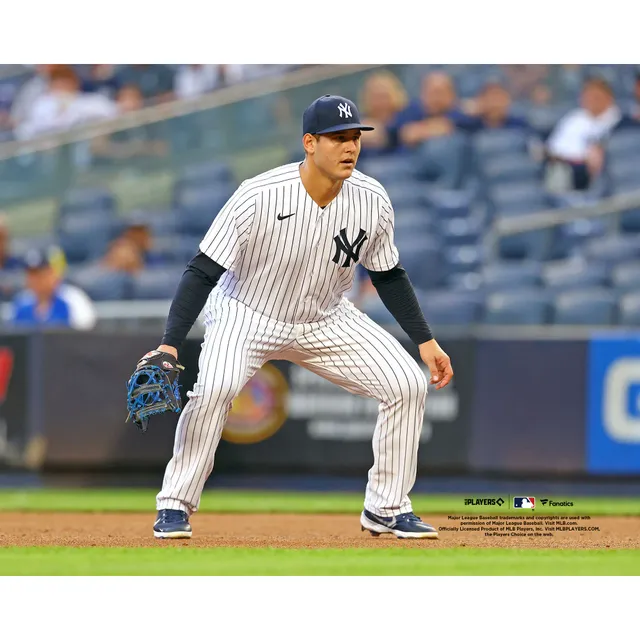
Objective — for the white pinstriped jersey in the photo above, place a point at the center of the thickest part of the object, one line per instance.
(291, 260)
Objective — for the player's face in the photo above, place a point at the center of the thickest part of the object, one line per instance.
(336, 154)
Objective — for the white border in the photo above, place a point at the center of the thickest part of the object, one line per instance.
(310, 608)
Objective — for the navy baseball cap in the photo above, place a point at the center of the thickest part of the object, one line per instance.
(331, 113)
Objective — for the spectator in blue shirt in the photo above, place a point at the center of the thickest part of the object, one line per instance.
(46, 301)
(436, 113)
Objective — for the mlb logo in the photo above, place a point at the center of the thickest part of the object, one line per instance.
(524, 503)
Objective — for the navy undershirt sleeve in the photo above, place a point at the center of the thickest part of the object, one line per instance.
(199, 278)
(397, 294)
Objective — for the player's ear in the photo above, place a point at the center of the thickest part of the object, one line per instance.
(309, 143)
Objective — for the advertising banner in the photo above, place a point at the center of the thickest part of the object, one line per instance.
(529, 407)
(613, 405)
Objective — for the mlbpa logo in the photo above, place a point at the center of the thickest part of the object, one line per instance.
(344, 110)
(524, 503)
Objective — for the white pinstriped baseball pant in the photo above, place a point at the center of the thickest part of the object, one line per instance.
(348, 349)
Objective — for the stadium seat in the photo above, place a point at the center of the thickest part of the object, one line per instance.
(465, 281)
(413, 219)
(596, 306)
(177, 249)
(629, 310)
(569, 238)
(156, 284)
(422, 260)
(198, 206)
(461, 231)
(521, 307)
(529, 245)
(625, 277)
(624, 144)
(205, 173)
(101, 285)
(517, 198)
(612, 249)
(449, 203)
(502, 276)
(87, 198)
(386, 168)
(447, 308)
(565, 275)
(84, 238)
(406, 193)
(443, 160)
(495, 143)
(463, 258)
(509, 168)
(544, 118)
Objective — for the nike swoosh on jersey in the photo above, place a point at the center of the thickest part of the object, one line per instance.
(281, 217)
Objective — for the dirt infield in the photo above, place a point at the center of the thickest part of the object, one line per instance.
(285, 531)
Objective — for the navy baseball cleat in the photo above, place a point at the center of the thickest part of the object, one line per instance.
(172, 523)
(406, 525)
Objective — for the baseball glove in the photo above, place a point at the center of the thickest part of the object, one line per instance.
(153, 388)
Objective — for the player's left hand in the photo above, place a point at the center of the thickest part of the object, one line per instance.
(438, 362)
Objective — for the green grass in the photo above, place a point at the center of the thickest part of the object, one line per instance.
(228, 501)
(232, 561)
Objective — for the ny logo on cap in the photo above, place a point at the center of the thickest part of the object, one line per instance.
(344, 110)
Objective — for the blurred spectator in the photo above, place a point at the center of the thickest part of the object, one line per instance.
(123, 255)
(492, 109)
(524, 81)
(193, 80)
(383, 98)
(102, 79)
(9, 264)
(136, 142)
(435, 114)
(574, 150)
(155, 81)
(63, 106)
(139, 233)
(46, 301)
(7, 261)
(30, 91)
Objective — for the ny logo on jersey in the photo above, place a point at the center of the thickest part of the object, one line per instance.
(344, 110)
(351, 250)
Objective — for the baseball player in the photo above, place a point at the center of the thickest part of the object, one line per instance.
(271, 274)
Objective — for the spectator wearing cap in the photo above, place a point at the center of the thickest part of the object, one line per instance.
(46, 301)
(383, 98)
(436, 113)
(575, 148)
